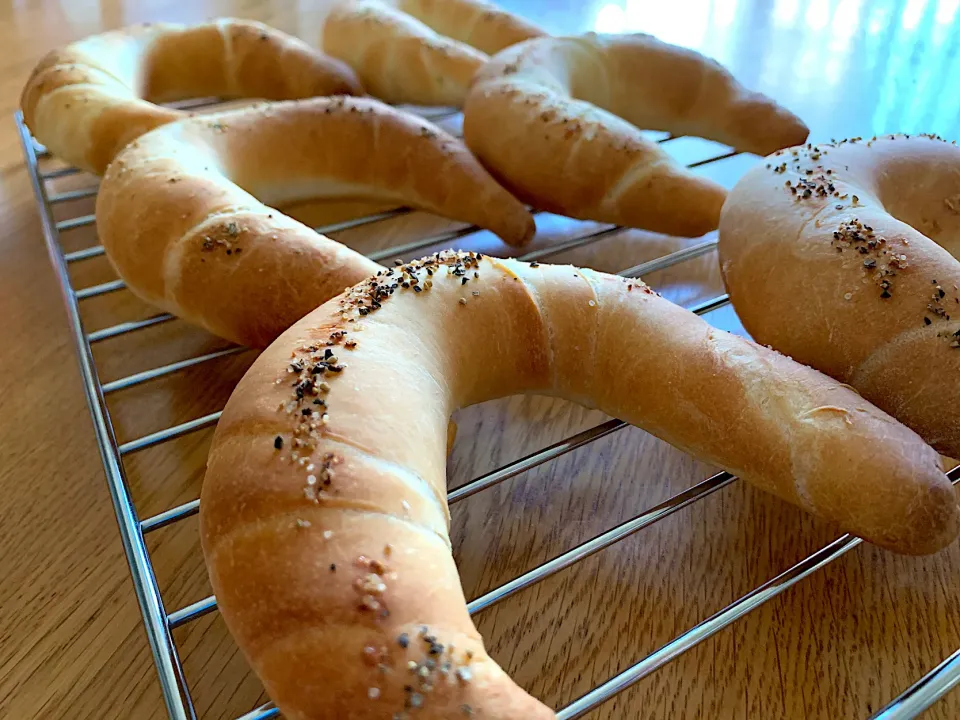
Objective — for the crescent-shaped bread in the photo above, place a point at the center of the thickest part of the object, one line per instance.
(479, 24)
(398, 58)
(845, 256)
(185, 212)
(557, 121)
(86, 101)
(420, 51)
(323, 515)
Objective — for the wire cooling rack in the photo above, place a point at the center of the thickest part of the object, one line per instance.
(159, 622)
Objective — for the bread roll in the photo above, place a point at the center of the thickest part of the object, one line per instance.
(479, 24)
(323, 515)
(422, 52)
(181, 212)
(86, 101)
(844, 256)
(399, 59)
(557, 121)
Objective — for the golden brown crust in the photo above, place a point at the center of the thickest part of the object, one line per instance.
(323, 515)
(85, 102)
(181, 210)
(398, 58)
(545, 117)
(478, 24)
(840, 256)
(420, 51)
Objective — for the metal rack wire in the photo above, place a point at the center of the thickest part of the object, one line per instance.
(159, 622)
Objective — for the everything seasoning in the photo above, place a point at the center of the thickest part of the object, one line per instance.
(224, 237)
(881, 262)
(433, 665)
(816, 180)
(937, 306)
(423, 665)
(315, 366)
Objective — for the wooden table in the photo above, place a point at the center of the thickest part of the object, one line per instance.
(840, 644)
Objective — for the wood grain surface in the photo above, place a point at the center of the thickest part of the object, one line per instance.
(839, 645)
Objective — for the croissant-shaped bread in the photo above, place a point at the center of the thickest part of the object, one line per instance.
(323, 515)
(845, 256)
(424, 52)
(181, 211)
(557, 121)
(86, 101)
